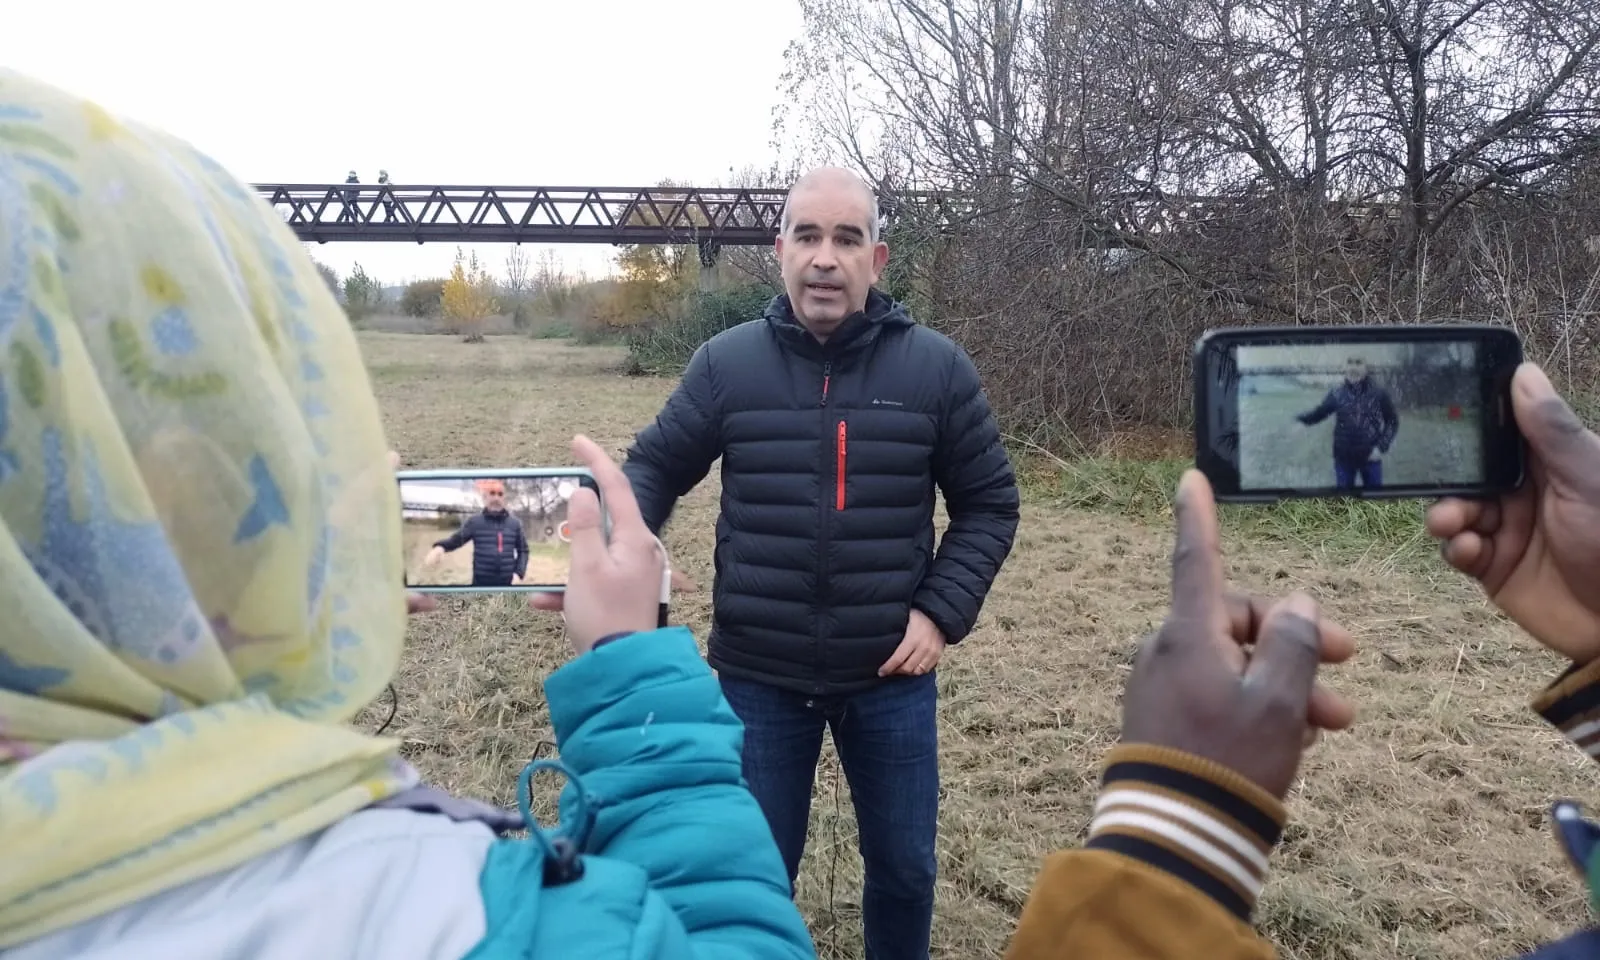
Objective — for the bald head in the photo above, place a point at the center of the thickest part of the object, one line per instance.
(833, 180)
(829, 249)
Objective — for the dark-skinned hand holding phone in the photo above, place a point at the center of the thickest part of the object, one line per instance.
(1192, 798)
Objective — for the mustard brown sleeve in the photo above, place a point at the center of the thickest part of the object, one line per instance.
(1572, 705)
(1175, 859)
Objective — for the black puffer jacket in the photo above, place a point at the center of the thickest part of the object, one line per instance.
(1364, 419)
(499, 547)
(830, 457)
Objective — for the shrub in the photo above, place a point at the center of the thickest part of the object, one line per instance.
(663, 349)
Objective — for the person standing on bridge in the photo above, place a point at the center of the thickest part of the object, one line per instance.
(388, 196)
(350, 198)
(836, 415)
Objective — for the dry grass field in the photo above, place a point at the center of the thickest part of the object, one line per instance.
(1421, 833)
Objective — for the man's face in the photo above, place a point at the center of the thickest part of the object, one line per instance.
(494, 498)
(828, 261)
(1354, 369)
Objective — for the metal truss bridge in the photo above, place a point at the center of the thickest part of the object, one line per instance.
(709, 218)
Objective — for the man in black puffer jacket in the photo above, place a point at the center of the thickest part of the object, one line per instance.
(836, 416)
(499, 545)
(1364, 425)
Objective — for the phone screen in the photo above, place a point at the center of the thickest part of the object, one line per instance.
(1331, 413)
(477, 532)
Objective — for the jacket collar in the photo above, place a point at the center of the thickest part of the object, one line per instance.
(857, 331)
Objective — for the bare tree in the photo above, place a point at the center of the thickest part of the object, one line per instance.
(549, 272)
(1422, 106)
(1130, 173)
(519, 280)
(516, 288)
(757, 265)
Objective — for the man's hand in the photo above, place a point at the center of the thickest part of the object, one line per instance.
(1537, 550)
(682, 584)
(517, 579)
(920, 651)
(611, 587)
(434, 556)
(1376, 454)
(1232, 679)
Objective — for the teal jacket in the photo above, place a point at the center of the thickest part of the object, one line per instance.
(678, 861)
(661, 853)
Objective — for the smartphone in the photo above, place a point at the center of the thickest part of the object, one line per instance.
(1374, 412)
(489, 531)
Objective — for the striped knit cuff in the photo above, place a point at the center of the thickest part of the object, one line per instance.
(1572, 705)
(1189, 817)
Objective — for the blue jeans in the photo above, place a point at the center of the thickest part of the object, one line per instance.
(1581, 946)
(1344, 474)
(888, 746)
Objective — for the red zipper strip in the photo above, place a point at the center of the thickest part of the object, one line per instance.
(838, 495)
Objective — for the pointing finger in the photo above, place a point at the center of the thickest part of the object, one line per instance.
(1197, 584)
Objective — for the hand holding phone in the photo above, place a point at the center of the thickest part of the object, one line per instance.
(1536, 551)
(617, 584)
(1372, 411)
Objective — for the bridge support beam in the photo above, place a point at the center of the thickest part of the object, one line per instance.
(709, 250)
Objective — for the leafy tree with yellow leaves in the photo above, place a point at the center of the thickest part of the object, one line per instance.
(656, 280)
(468, 297)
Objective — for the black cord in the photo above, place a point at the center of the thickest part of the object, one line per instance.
(833, 859)
(394, 708)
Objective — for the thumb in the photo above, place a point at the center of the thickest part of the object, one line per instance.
(1568, 451)
(1288, 649)
(583, 522)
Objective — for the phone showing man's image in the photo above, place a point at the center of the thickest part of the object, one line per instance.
(489, 530)
(1374, 412)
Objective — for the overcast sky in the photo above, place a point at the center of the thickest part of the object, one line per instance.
(519, 92)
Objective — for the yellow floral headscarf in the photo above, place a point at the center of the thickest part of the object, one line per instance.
(200, 561)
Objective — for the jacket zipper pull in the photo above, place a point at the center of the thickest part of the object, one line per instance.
(827, 375)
